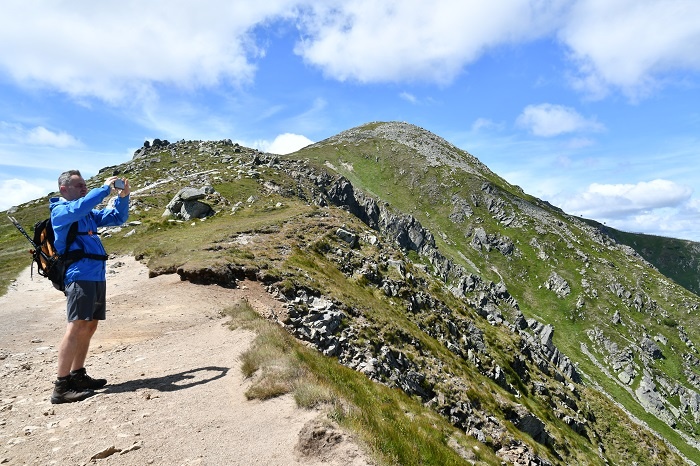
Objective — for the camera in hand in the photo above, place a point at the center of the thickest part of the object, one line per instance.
(118, 183)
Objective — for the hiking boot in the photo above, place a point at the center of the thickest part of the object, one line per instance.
(64, 393)
(79, 380)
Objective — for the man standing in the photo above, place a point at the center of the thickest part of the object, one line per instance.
(85, 278)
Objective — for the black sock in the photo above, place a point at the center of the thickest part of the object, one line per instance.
(64, 378)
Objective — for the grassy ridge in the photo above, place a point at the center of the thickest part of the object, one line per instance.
(593, 269)
(676, 258)
(291, 241)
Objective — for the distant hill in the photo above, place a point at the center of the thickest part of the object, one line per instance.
(676, 258)
(505, 330)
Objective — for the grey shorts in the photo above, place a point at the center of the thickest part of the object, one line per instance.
(86, 300)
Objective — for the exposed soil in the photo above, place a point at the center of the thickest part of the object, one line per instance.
(175, 394)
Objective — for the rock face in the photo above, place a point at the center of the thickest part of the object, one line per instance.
(530, 424)
(487, 242)
(347, 236)
(541, 344)
(334, 330)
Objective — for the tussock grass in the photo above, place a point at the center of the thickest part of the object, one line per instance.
(243, 315)
(396, 429)
(311, 393)
(270, 361)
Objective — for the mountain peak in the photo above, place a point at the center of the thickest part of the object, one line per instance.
(434, 149)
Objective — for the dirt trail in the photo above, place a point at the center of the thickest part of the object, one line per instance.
(175, 392)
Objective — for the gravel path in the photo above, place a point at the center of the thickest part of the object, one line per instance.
(175, 392)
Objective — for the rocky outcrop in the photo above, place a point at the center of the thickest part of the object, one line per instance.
(334, 330)
(409, 234)
(529, 423)
(689, 402)
(318, 320)
(519, 454)
(538, 341)
(187, 204)
(557, 284)
(652, 401)
(461, 210)
(482, 240)
(650, 348)
(149, 148)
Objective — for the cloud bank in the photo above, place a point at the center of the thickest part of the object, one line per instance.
(16, 191)
(80, 48)
(627, 44)
(622, 200)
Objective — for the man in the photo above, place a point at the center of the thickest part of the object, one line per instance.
(85, 278)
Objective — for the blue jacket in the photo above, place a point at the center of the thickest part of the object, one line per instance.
(64, 213)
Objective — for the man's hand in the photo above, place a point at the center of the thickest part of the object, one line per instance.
(123, 192)
(127, 189)
(110, 181)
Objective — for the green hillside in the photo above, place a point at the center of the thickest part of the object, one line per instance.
(676, 258)
(455, 319)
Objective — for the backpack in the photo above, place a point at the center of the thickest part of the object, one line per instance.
(49, 263)
(55, 267)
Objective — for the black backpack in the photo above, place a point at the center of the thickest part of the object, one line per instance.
(55, 267)
(49, 263)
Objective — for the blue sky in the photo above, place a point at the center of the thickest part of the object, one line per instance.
(592, 105)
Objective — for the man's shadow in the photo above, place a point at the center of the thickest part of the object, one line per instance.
(171, 383)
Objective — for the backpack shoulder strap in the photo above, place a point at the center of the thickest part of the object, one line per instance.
(77, 254)
(72, 234)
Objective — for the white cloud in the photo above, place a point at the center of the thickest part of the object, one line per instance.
(118, 49)
(405, 40)
(627, 44)
(625, 200)
(37, 136)
(44, 137)
(82, 48)
(675, 223)
(485, 124)
(408, 97)
(658, 207)
(285, 144)
(552, 120)
(16, 191)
